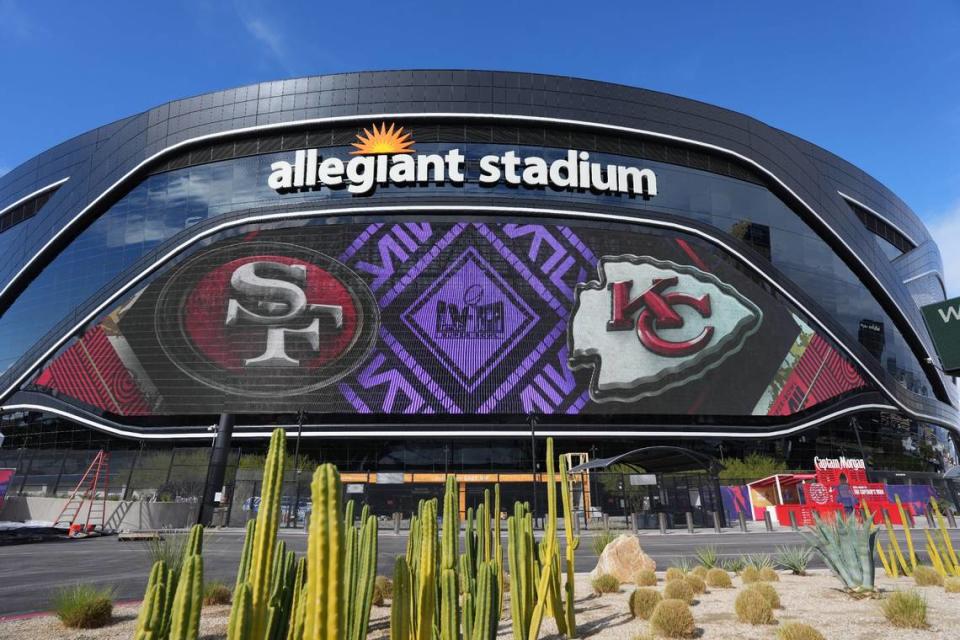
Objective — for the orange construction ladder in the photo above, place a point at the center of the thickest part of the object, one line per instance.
(85, 493)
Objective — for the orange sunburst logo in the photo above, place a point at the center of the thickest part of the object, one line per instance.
(382, 140)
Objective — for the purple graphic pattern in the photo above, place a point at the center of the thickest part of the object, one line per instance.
(464, 300)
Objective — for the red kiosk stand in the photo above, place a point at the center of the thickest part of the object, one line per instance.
(839, 485)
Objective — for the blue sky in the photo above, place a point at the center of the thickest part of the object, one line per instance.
(877, 82)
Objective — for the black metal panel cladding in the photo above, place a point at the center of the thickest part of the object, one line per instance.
(98, 160)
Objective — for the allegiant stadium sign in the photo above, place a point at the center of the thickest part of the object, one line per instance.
(386, 157)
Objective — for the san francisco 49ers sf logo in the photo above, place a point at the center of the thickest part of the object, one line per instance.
(266, 319)
(650, 325)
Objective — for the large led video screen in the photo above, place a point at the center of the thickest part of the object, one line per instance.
(469, 316)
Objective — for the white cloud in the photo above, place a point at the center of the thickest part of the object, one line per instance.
(268, 35)
(945, 230)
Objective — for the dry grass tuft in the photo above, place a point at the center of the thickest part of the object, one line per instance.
(672, 619)
(752, 607)
(951, 585)
(696, 583)
(645, 578)
(719, 579)
(216, 593)
(678, 590)
(750, 574)
(798, 631)
(768, 592)
(643, 601)
(605, 583)
(83, 606)
(674, 573)
(700, 571)
(768, 574)
(906, 609)
(927, 577)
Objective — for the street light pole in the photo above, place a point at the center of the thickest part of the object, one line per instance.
(296, 461)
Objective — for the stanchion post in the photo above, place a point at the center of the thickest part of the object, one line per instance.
(793, 521)
(663, 522)
(767, 521)
(690, 528)
(716, 522)
(743, 522)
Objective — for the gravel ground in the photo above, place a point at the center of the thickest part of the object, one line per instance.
(813, 599)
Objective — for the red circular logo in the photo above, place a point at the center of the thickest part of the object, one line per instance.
(265, 318)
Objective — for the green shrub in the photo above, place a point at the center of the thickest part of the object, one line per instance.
(605, 583)
(600, 541)
(643, 601)
(678, 590)
(752, 467)
(674, 573)
(951, 585)
(906, 609)
(696, 583)
(215, 593)
(708, 556)
(767, 591)
(798, 631)
(384, 587)
(769, 575)
(927, 577)
(750, 574)
(672, 619)
(751, 607)
(700, 572)
(83, 606)
(718, 579)
(645, 578)
(796, 559)
(733, 565)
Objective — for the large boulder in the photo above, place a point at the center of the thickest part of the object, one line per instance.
(623, 558)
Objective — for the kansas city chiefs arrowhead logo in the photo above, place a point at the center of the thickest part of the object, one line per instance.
(650, 325)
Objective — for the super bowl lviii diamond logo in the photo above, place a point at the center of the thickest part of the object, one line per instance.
(265, 319)
(650, 325)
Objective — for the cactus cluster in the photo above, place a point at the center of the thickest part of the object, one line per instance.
(438, 593)
(172, 601)
(939, 547)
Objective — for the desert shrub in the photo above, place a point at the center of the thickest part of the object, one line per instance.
(750, 574)
(645, 578)
(752, 467)
(796, 559)
(719, 579)
(733, 565)
(927, 577)
(643, 601)
(601, 540)
(215, 593)
(798, 631)
(697, 585)
(700, 572)
(768, 592)
(672, 619)
(708, 556)
(605, 583)
(168, 547)
(951, 585)
(906, 609)
(678, 590)
(83, 606)
(674, 573)
(769, 575)
(760, 561)
(751, 607)
(382, 590)
(683, 563)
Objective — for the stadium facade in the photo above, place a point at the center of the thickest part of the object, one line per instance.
(425, 268)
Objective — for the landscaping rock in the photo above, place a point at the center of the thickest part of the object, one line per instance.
(623, 558)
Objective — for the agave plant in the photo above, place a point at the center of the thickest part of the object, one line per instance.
(708, 556)
(796, 559)
(847, 546)
(759, 561)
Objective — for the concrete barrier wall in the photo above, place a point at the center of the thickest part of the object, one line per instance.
(122, 516)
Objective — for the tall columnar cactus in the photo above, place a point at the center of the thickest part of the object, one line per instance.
(847, 546)
(325, 549)
(265, 534)
(425, 597)
(240, 624)
(185, 615)
(246, 556)
(449, 549)
(363, 575)
(401, 605)
(572, 543)
(498, 547)
(520, 554)
(295, 619)
(486, 616)
(545, 594)
(154, 619)
(194, 541)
